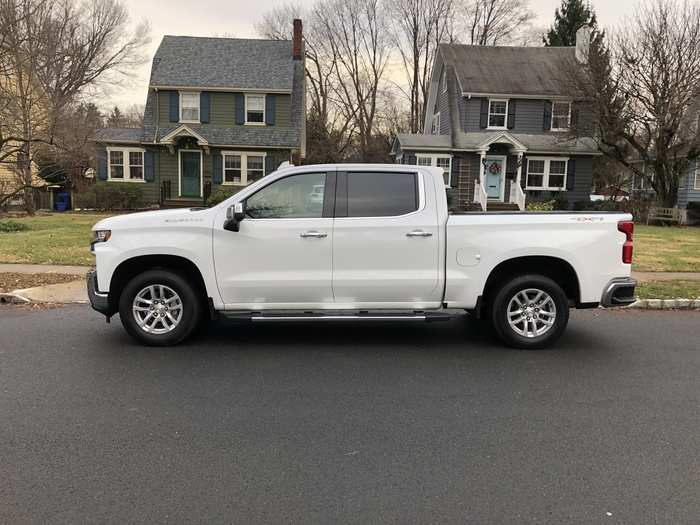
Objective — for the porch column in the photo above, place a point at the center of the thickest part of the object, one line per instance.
(482, 156)
(520, 168)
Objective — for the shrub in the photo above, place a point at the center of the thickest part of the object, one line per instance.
(9, 226)
(604, 205)
(110, 196)
(221, 194)
(540, 205)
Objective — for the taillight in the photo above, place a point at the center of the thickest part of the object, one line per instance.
(626, 227)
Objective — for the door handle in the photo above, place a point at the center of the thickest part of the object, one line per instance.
(419, 233)
(313, 234)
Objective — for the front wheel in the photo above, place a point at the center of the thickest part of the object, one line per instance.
(159, 308)
(529, 312)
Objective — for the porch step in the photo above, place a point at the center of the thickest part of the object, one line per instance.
(502, 206)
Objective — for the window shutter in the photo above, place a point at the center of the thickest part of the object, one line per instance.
(218, 169)
(204, 107)
(570, 174)
(269, 168)
(102, 163)
(574, 116)
(240, 108)
(484, 117)
(270, 103)
(174, 106)
(149, 172)
(511, 114)
(547, 117)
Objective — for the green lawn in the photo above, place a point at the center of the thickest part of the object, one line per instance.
(51, 239)
(669, 290)
(666, 249)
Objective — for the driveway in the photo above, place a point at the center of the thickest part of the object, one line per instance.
(310, 423)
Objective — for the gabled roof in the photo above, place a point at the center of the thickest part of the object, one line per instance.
(235, 63)
(506, 70)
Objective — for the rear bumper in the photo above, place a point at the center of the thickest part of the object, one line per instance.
(98, 301)
(619, 292)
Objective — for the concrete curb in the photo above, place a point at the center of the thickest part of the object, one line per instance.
(666, 304)
(13, 298)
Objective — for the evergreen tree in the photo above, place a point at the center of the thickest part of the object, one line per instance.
(569, 18)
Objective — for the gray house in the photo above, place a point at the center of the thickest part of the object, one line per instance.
(220, 112)
(501, 124)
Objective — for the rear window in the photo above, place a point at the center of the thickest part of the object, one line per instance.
(381, 194)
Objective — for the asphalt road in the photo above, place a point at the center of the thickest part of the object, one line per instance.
(390, 423)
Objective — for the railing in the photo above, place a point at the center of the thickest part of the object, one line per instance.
(480, 195)
(517, 195)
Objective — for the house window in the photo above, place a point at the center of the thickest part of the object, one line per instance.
(255, 109)
(436, 124)
(189, 107)
(561, 116)
(242, 168)
(546, 173)
(498, 112)
(125, 164)
(439, 161)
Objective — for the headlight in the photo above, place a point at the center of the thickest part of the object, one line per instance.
(102, 235)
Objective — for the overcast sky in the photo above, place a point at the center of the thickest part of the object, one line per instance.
(237, 17)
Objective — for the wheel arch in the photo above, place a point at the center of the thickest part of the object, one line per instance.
(557, 269)
(133, 266)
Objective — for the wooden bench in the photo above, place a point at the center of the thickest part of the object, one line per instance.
(666, 215)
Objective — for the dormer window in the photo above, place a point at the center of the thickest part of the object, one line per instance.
(255, 109)
(498, 113)
(561, 116)
(189, 107)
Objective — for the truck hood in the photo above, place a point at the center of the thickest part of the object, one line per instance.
(150, 218)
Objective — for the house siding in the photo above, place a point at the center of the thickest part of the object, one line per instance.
(442, 104)
(686, 191)
(222, 110)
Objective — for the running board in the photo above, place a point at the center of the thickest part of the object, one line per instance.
(337, 316)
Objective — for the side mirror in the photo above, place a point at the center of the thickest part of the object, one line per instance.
(234, 216)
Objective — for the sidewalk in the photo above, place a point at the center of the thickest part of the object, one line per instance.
(43, 268)
(666, 276)
(64, 293)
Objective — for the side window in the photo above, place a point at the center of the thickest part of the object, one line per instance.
(377, 194)
(295, 197)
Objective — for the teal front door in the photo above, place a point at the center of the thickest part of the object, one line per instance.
(190, 174)
(495, 176)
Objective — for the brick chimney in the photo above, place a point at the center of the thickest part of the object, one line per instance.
(297, 40)
(583, 44)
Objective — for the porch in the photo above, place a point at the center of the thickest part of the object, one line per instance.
(498, 186)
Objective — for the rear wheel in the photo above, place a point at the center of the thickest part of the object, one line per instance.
(529, 312)
(159, 308)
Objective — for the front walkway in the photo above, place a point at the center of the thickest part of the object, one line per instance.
(44, 268)
(666, 276)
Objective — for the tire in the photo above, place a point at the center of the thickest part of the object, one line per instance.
(166, 312)
(537, 322)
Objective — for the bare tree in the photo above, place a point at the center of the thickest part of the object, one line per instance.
(53, 50)
(645, 89)
(418, 27)
(494, 22)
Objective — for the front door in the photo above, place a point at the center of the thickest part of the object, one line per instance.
(386, 241)
(281, 256)
(190, 173)
(495, 169)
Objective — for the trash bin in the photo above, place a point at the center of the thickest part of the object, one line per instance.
(62, 201)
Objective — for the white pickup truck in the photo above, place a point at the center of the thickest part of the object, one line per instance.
(357, 242)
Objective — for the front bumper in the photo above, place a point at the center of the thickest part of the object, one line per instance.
(99, 301)
(619, 292)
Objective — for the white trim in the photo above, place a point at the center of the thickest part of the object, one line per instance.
(504, 159)
(545, 176)
(125, 164)
(244, 166)
(199, 106)
(498, 137)
(433, 162)
(179, 171)
(512, 95)
(245, 109)
(228, 89)
(443, 79)
(168, 139)
(436, 124)
(505, 115)
(551, 123)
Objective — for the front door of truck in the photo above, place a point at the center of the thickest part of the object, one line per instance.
(281, 256)
(386, 241)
